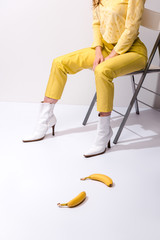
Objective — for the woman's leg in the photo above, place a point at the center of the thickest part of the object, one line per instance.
(106, 71)
(50, 100)
(70, 63)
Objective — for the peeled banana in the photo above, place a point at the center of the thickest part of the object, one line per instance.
(100, 177)
(75, 201)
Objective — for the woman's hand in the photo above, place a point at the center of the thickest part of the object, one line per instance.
(112, 54)
(99, 57)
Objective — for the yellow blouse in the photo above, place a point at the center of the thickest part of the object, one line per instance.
(117, 22)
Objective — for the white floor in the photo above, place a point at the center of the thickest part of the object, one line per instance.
(35, 176)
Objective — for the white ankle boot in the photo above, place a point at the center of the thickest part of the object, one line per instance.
(104, 134)
(46, 120)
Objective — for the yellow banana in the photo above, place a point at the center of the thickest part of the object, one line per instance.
(75, 201)
(100, 177)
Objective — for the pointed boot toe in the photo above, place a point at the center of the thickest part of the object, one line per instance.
(94, 151)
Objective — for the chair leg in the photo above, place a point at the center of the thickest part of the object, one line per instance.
(90, 109)
(156, 45)
(134, 88)
(129, 109)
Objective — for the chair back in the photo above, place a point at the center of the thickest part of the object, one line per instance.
(151, 19)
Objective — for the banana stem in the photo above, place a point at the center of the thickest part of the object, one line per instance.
(84, 178)
(62, 204)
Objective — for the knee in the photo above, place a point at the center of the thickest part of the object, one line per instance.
(104, 71)
(56, 61)
(60, 62)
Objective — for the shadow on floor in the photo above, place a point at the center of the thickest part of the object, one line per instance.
(148, 120)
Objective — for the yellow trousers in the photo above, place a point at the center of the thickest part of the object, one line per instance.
(134, 59)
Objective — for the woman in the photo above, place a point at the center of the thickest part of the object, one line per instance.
(116, 50)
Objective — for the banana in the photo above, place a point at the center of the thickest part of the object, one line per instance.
(75, 201)
(100, 177)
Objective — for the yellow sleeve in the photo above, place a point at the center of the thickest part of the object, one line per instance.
(132, 24)
(97, 37)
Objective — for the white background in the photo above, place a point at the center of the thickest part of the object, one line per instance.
(34, 32)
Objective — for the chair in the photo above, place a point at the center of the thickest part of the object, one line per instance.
(150, 20)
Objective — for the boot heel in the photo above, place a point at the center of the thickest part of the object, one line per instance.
(53, 130)
(109, 144)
